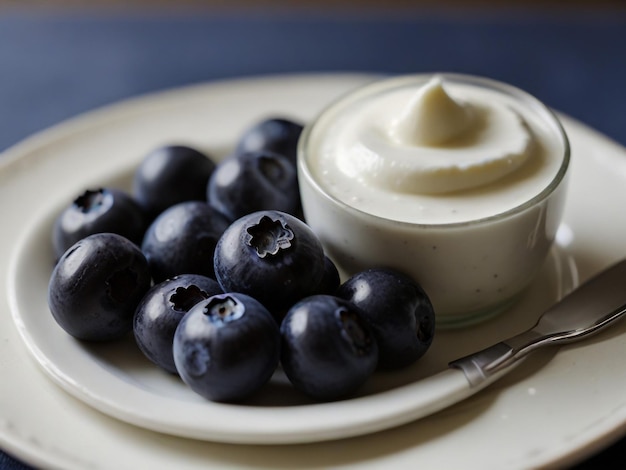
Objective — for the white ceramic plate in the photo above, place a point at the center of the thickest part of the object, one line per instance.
(553, 408)
(116, 378)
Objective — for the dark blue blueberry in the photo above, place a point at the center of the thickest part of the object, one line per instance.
(227, 347)
(169, 175)
(181, 240)
(276, 134)
(97, 211)
(328, 350)
(162, 308)
(254, 181)
(330, 279)
(271, 256)
(96, 286)
(399, 312)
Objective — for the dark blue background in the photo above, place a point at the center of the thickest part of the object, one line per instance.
(55, 65)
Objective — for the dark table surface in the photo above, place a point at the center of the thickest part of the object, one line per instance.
(55, 64)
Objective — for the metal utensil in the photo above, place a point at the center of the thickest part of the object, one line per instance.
(593, 306)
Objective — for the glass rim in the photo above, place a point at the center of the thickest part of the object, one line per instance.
(402, 80)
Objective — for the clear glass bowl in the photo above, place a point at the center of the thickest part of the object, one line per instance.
(472, 269)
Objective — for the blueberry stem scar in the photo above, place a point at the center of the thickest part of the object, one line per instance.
(268, 236)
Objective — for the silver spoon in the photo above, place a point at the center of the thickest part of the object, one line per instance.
(591, 307)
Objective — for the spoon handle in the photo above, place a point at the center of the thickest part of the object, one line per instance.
(588, 309)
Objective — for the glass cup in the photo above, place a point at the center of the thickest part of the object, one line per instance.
(471, 269)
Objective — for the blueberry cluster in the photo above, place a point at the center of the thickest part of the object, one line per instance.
(214, 271)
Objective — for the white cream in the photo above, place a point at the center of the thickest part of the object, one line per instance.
(443, 153)
(433, 118)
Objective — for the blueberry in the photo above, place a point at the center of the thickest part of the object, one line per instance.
(271, 256)
(253, 181)
(276, 134)
(162, 308)
(330, 279)
(96, 286)
(169, 175)
(328, 350)
(399, 312)
(227, 347)
(181, 240)
(96, 211)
